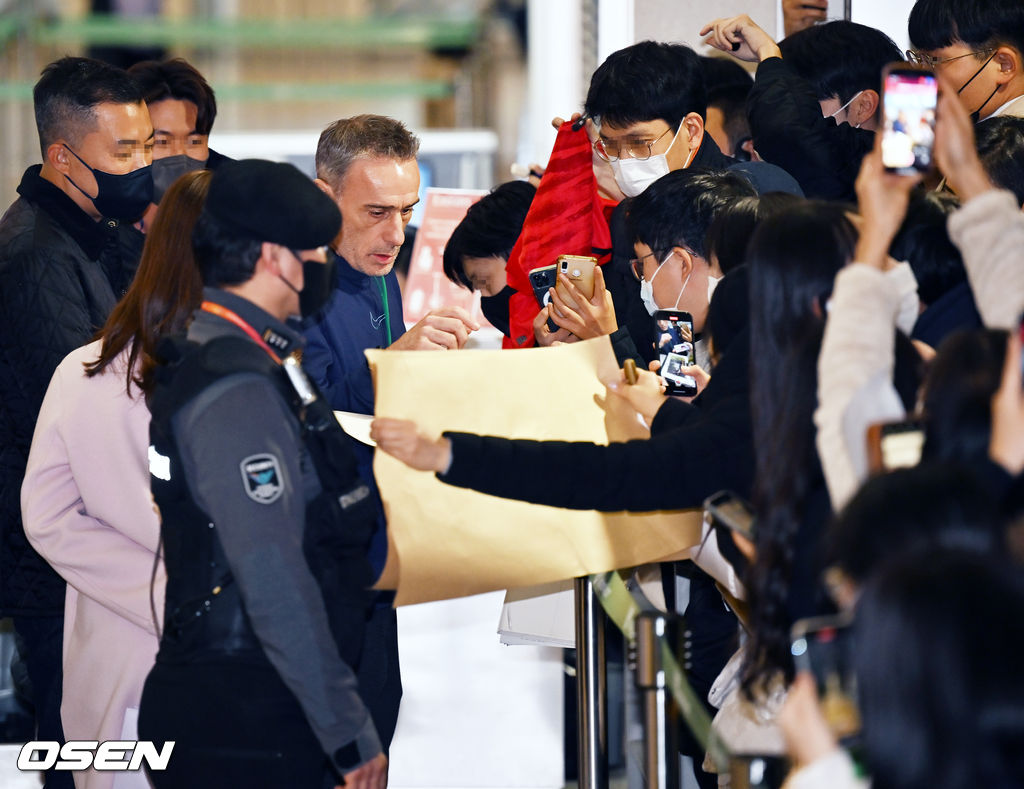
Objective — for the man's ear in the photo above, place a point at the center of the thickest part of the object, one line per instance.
(1009, 61)
(324, 187)
(269, 259)
(693, 125)
(687, 259)
(864, 108)
(58, 158)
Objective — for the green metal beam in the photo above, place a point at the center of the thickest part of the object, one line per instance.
(354, 34)
(298, 91)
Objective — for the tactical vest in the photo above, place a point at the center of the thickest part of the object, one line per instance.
(204, 618)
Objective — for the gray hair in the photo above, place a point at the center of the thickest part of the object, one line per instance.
(361, 135)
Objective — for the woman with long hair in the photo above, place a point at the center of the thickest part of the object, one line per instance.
(794, 258)
(86, 497)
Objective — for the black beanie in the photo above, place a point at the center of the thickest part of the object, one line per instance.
(271, 201)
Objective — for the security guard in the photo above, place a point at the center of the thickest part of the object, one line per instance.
(265, 521)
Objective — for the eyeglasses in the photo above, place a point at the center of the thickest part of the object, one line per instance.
(636, 265)
(924, 59)
(612, 152)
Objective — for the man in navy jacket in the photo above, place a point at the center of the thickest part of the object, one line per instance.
(367, 165)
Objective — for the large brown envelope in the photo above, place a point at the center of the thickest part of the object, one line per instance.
(447, 542)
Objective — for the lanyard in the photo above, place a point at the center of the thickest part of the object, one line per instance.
(231, 317)
(384, 298)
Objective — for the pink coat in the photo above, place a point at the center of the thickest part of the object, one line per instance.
(88, 511)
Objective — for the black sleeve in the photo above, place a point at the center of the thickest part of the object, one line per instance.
(672, 414)
(624, 348)
(230, 426)
(789, 131)
(675, 470)
(630, 311)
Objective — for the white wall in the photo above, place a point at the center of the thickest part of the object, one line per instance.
(889, 16)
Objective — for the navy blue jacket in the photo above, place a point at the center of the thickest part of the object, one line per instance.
(355, 318)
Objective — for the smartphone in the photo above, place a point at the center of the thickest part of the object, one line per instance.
(673, 338)
(542, 280)
(909, 97)
(728, 509)
(823, 646)
(893, 445)
(580, 270)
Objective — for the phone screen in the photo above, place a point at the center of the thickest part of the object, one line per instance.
(902, 443)
(732, 512)
(908, 134)
(823, 647)
(673, 337)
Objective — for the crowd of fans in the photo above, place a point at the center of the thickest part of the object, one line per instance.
(836, 308)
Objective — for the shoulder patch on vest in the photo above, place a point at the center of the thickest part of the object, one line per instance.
(261, 477)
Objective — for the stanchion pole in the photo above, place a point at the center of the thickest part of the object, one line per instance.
(591, 687)
(661, 733)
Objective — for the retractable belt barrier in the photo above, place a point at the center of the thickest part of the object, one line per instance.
(623, 609)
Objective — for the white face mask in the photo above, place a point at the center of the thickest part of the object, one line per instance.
(855, 95)
(635, 175)
(712, 284)
(647, 289)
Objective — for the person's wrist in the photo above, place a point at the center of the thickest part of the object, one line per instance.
(442, 455)
(1006, 455)
(872, 249)
(971, 182)
(768, 50)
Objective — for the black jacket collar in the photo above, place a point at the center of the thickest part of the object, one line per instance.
(89, 234)
(277, 335)
(710, 157)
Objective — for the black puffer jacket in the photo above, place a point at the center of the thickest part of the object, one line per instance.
(61, 273)
(790, 131)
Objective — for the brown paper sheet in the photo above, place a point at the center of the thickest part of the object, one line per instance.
(447, 542)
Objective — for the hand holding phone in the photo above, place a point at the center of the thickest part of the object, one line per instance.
(823, 647)
(673, 338)
(729, 510)
(909, 98)
(893, 445)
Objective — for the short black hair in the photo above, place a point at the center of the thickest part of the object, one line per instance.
(678, 208)
(1000, 143)
(979, 24)
(67, 93)
(923, 241)
(729, 234)
(490, 228)
(176, 79)
(723, 72)
(840, 58)
(223, 258)
(732, 101)
(645, 82)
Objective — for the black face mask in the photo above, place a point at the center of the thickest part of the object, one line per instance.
(317, 285)
(169, 169)
(976, 115)
(123, 197)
